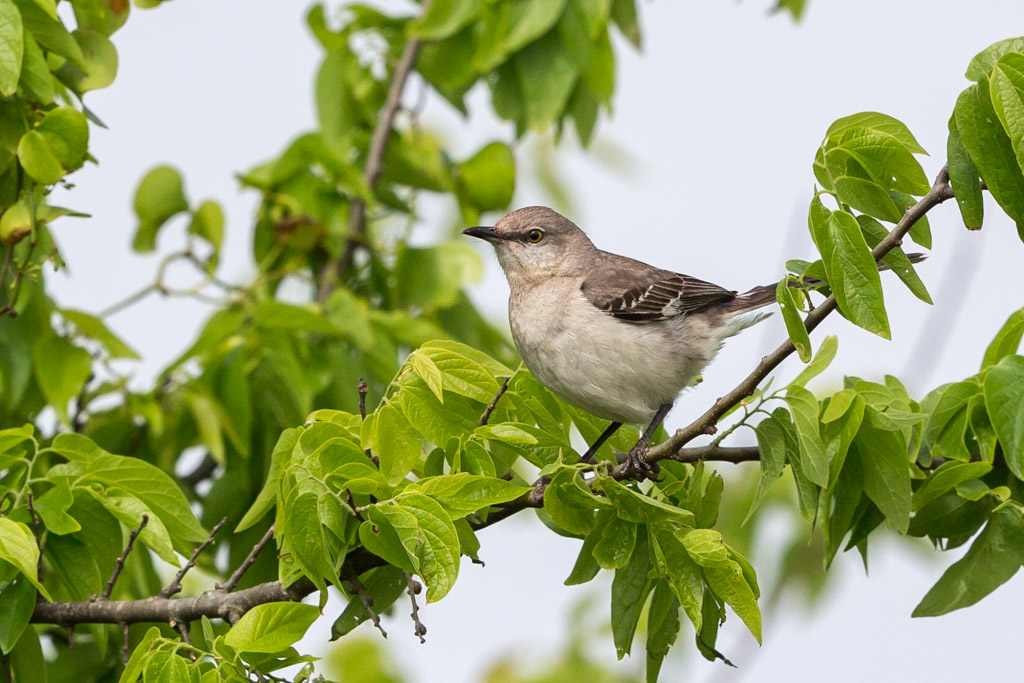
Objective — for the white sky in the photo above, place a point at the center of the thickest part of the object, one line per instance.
(720, 116)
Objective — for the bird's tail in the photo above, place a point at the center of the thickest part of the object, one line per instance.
(764, 295)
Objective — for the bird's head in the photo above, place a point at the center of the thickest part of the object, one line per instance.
(537, 243)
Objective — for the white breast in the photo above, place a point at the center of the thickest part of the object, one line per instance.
(612, 369)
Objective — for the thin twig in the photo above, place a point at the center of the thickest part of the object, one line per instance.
(374, 165)
(413, 588)
(125, 303)
(119, 564)
(939, 193)
(203, 471)
(175, 585)
(237, 575)
(78, 421)
(184, 629)
(126, 647)
(363, 389)
(494, 403)
(357, 587)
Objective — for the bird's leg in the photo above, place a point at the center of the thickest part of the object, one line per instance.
(636, 467)
(605, 435)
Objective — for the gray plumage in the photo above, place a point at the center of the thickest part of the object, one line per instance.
(614, 336)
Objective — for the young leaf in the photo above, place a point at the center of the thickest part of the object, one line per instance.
(822, 359)
(462, 493)
(994, 557)
(682, 573)
(429, 373)
(159, 197)
(983, 62)
(1006, 341)
(271, 627)
(964, 179)
(62, 369)
(813, 458)
(885, 472)
(946, 477)
(794, 323)
(18, 546)
(616, 543)
(896, 259)
(1004, 399)
(629, 593)
(730, 585)
(771, 442)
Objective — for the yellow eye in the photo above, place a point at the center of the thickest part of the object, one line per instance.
(535, 236)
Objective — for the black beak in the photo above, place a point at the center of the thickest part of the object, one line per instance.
(484, 232)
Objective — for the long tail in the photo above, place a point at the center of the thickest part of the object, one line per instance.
(764, 295)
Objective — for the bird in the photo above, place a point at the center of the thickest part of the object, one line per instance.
(606, 333)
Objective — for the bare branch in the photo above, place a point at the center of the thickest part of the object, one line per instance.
(494, 403)
(413, 588)
(126, 647)
(249, 560)
(175, 585)
(119, 564)
(363, 389)
(356, 586)
(374, 165)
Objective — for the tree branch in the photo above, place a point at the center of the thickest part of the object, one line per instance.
(230, 606)
(374, 165)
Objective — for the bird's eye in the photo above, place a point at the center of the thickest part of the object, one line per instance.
(535, 236)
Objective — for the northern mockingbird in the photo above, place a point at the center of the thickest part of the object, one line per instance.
(611, 335)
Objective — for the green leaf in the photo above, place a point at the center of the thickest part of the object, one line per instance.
(1004, 399)
(994, 557)
(1007, 90)
(160, 196)
(267, 496)
(105, 16)
(36, 78)
(548, 74)
(990, 148)
(1007, 340)
(146, 482)
(18, 546)
(93, 327)
(885, 472)
(166, 667)
(426, 535)
(983, 62)
(433, 277)
(44, 25)
(886, 159)
(634, 506)
(879, 123)
(683, 574)
(100, 57)
(443, 18)
(822, 359)
(11, 437)
(852, 271)
(964, 179)
(62, 369)
(38, 159)
(303, 535)
(133, 667)
(629, 593)
(624, 15)
(461, 493)
(208, 223)
(507, 432)
(730, 585)
(945, 428)
(771, 442)
(945, 478)
(529, 20)
(429, 373)
(397, 445)
(794, 323)
(17, 600)
(615, 544)
(706, 547)
(586, 566)
(813, 458)
(662, 627)
(12, 48)
(568, 503)
(53, 506)
(896, 259)
(129, 510)
(271, 627)
(486, 180)
(66, 132)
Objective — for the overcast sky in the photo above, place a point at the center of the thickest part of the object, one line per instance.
(718, 117)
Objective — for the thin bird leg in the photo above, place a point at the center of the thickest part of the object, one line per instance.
(605, 435)
(636, 467)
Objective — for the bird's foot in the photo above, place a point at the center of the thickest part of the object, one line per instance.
(636, 466)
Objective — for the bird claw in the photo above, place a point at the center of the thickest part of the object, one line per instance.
(636, 467)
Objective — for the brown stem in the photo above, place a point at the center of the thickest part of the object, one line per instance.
(119, 564)
(175, 585)
(237, 575)
(494, 403)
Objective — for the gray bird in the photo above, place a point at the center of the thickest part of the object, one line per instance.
(614, 336)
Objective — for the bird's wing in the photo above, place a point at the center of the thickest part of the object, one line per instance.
(636, 292)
